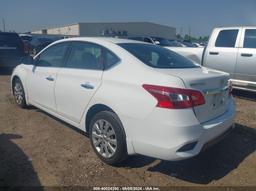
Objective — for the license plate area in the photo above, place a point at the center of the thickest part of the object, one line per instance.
(218, 100)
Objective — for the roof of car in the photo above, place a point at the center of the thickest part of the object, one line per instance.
(103, 39)
(234, 27)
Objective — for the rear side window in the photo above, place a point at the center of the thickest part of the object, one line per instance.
(250, 38)
(85, 56)
(111, 59)
(157, 57)
(226, 38)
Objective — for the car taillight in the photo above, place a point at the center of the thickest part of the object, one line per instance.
(175, 98)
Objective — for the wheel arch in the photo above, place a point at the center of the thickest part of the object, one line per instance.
(94, 109)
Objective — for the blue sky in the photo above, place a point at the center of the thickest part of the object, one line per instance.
(200, 15)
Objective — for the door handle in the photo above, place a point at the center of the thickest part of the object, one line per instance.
(87, 86)
(246, 55)
(49, 78)
(213, 53)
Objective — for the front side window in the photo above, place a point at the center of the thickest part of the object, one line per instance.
(226, 38)
(157, 57)
(52, 56)
(85, 56)
(250, 38)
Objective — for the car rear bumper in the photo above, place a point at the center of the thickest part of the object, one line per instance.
(172, 140)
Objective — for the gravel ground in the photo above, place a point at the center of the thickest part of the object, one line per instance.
(39, 150)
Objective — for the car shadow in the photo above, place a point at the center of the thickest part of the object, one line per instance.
(244, 94)
(16, 169)
(212, 164)
(215, 162)
(61, 121)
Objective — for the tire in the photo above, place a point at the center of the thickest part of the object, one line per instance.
(108, 138)
(19, 94)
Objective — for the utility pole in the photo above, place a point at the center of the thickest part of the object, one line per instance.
(181, 31)
(189, 32)
(3, 24)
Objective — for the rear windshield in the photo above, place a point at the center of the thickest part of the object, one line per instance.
(157, 57)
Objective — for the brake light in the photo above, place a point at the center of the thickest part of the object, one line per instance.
(175, 98)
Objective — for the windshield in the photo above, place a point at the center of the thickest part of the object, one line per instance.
(157, 57)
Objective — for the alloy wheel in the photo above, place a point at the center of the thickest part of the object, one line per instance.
(104, 138)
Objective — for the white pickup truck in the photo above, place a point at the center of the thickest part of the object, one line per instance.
(230, 49)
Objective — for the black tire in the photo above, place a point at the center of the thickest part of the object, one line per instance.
(18, 93)
(120, 153)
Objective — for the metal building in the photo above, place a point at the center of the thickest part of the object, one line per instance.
(112, 29)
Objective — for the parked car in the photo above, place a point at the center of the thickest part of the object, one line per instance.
(38, 44)
(11, 49)
(232, 50)
(198, 44)
(176, 43)
(154, 40)
(142, 39)
(189, 44)
(35, 43)
(131, 97)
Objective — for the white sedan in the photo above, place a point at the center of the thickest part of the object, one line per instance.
(131, 97)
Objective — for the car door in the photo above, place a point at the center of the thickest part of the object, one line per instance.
(79, 80)
(246, 61)
(42, 76)
(221, 53)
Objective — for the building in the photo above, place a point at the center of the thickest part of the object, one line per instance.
(112, 29)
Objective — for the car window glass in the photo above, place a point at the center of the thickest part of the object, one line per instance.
(226, 38)
(85, 56)
(250, 38)
(53, 56)
(157, 57)
(147, 40)
(136, 38)
(111, 59)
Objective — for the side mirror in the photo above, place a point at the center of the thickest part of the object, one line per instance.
(27, 60)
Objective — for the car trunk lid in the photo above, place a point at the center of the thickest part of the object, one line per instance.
(214, 86)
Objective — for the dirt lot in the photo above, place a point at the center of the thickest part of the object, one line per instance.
(37, 149)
